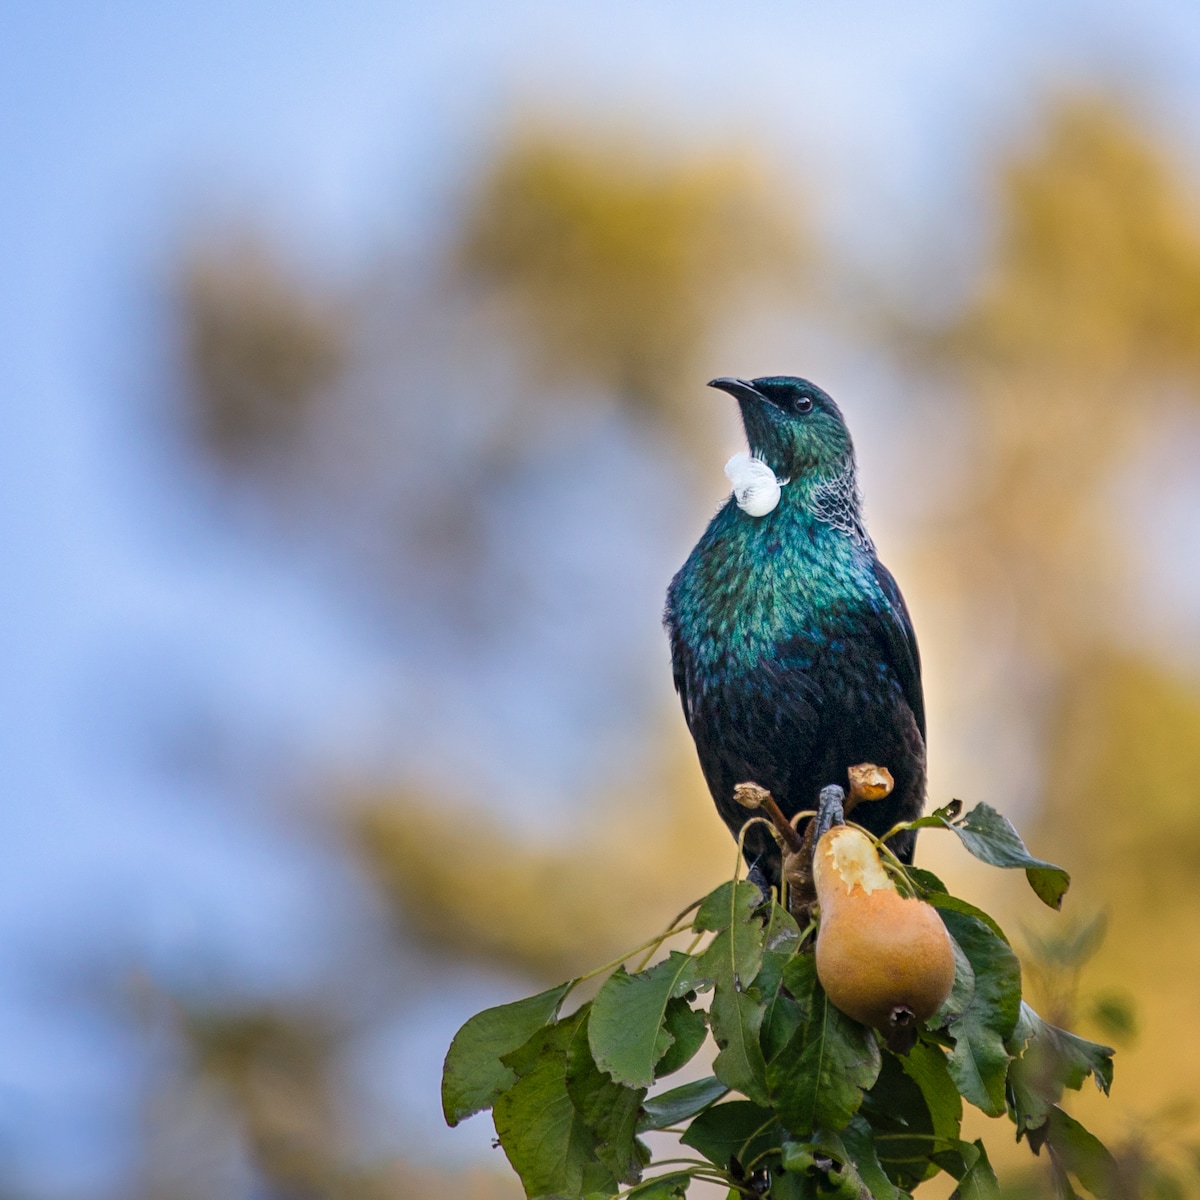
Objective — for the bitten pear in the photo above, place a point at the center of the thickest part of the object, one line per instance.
(884, 959)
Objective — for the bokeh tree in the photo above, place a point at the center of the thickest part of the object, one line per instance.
(1080, 347)
(407, 426)
(613, 266)
(412, 425)
(262, 345)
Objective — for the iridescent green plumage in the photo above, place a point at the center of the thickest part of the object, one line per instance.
(793, 651)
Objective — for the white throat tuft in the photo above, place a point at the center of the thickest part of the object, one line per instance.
(755, 487)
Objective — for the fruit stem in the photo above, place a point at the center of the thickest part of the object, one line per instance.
(868, 782)
(753, 795)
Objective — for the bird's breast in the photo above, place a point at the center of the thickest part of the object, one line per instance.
(751, 597)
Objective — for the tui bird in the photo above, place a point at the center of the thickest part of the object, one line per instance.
(792, 649)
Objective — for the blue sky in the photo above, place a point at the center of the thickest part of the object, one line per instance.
(120, 126)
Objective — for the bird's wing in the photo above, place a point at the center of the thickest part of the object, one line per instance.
(680, 660)
(899, 642)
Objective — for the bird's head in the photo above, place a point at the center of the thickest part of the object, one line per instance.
(792, 425)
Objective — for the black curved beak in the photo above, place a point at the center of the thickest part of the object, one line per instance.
(738, 388)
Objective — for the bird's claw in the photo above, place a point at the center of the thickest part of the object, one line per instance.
(830, 811)
(757, 876)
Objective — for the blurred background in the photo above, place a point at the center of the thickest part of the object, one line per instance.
(352, 372)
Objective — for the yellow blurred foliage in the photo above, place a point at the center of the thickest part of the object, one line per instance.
(464, 884)
(1123, 785)
(616, 261)
(270, 1073)
(1123, 808)
(1097, 266)
(1085, 337)
(611, 268)
(260, 345)
(274, 1069)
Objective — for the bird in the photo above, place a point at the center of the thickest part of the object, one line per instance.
(792, 649)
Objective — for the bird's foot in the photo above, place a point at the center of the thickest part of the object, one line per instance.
(757, 876)
(829, 809)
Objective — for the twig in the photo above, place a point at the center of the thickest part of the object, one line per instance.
(753, 795)
(868, 782)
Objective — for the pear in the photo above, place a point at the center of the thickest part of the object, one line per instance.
(884, 959)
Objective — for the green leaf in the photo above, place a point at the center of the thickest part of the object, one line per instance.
(991, 838)
(900, 1121)
(801, 1154)
(949, 812)
(732, 963)
(954, 904)
(783, 934)
(688, 1027)
(782, 1015)
(939, 819)
(473, 1075)
(927, 881)
(824, 1160)
(847, 1183)
(1025, 1028)
(979, 1182)
(968, 1163)
(734, 956)
(626, 1026)
(543, 1134)
(610, 1110)
(1052, 1060)
(730, 904)
(927, 1067)
(917, 1108)
(786, 1186)
(681, 1103)
(961, 994)
(736, 1018)
(739, 1129)
(663, 1187)
(859, 1141)
(1081, 1153)
(817, 1080)
(979, 1061)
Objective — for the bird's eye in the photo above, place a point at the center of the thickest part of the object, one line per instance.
(804, 404)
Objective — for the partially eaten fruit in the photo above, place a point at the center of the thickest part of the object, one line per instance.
(884, 959)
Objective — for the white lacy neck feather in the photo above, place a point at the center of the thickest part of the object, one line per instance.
(834, 501)
(755, 487)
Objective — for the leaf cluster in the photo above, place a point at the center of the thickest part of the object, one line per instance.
(802, 1101)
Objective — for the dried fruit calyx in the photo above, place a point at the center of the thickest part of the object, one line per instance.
(884, 959)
